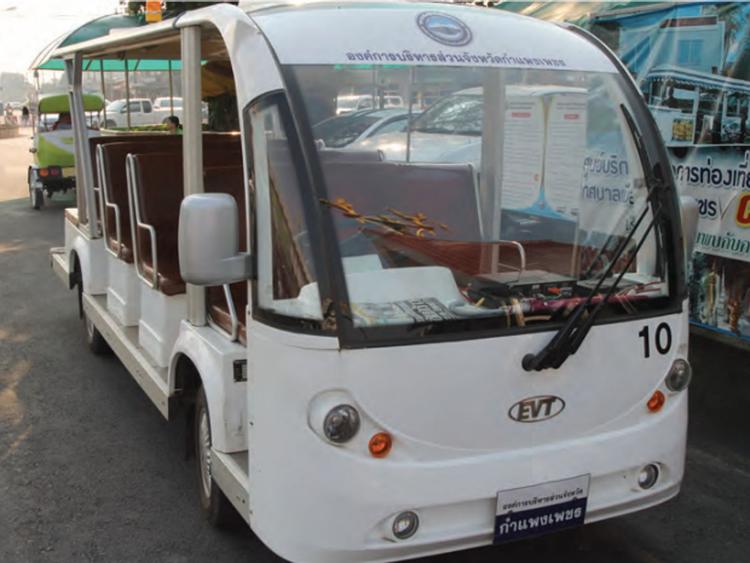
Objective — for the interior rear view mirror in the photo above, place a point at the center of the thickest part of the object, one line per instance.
(209, 241)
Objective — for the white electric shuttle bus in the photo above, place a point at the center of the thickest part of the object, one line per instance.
(383, 353)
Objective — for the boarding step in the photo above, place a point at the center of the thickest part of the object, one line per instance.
(124, 343)
(230, 471)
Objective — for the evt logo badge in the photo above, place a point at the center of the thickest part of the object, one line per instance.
(444, 29)
(536, 409)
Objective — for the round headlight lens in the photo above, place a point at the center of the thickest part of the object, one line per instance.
(341, 424)
(405, 525)
(679, 375)
(648, 476)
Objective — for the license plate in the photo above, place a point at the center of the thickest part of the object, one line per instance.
(541, 509)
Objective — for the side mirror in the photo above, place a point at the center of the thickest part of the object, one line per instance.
(689, 219)
(208, 241)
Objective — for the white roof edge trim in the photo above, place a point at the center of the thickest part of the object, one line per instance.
(114, 41)
(136, 36)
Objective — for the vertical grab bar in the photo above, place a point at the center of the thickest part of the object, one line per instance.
(232, 311)
(136, 223)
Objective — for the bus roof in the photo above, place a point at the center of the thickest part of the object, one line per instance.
(412, 33)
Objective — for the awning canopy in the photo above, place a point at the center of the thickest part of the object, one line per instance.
(94, 29)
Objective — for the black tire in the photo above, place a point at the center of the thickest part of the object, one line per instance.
(216, 507)
(37, 198)
(94, 338)
(109, 124)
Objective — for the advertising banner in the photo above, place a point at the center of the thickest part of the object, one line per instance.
(691, 60)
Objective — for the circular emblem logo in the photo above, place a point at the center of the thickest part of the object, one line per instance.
(444, 29)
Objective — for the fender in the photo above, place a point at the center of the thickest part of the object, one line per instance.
(213, 355)
(92, 258)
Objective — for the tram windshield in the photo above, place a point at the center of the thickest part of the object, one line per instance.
(503, 196)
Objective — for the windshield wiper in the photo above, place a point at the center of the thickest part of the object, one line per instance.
(570, 337)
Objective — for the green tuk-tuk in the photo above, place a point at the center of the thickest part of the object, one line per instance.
(53, 146)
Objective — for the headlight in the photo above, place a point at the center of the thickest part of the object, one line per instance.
(679, 375)
(341, 424)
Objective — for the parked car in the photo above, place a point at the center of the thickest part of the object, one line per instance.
(162, 104)
(359, 102)
(340, 131)
(141, 113)
(450, 130)
(145, 112)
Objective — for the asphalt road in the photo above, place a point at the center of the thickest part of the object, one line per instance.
(89, 470)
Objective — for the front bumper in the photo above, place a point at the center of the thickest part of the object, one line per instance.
(343, 508)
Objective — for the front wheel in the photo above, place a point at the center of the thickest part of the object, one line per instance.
(215, 504)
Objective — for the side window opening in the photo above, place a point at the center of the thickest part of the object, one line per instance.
(287, 282)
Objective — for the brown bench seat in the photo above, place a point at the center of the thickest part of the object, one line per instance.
(115, 191)
(157, 188)
(158, 192)
(218, 148)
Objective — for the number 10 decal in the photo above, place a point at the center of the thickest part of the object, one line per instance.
(663, 339)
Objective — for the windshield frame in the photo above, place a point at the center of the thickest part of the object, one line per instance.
(353, 337)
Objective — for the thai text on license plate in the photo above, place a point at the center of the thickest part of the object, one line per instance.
(540, 509)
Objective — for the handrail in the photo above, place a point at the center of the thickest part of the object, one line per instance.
(136, 223)
(152, 235)
(232, 311)
(118, 233)
(106, 204)
(521, 254)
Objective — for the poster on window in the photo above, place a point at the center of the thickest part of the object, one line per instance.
(692, 63)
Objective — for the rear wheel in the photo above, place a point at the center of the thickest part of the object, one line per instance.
(215, 504)
(94, 338)
(36, 194)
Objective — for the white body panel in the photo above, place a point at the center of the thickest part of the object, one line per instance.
(159, 323)
(92, 256)
(214, 357)
(123, 291)
(447, 462)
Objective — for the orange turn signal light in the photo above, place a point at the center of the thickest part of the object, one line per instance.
(380, 444)
(43, 172)
(656, 402)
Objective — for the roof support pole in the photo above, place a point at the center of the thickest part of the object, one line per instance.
(192, 145)
(127, 92)
(84, 176)
(491, 169)
(104, 93)
(171, 90)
